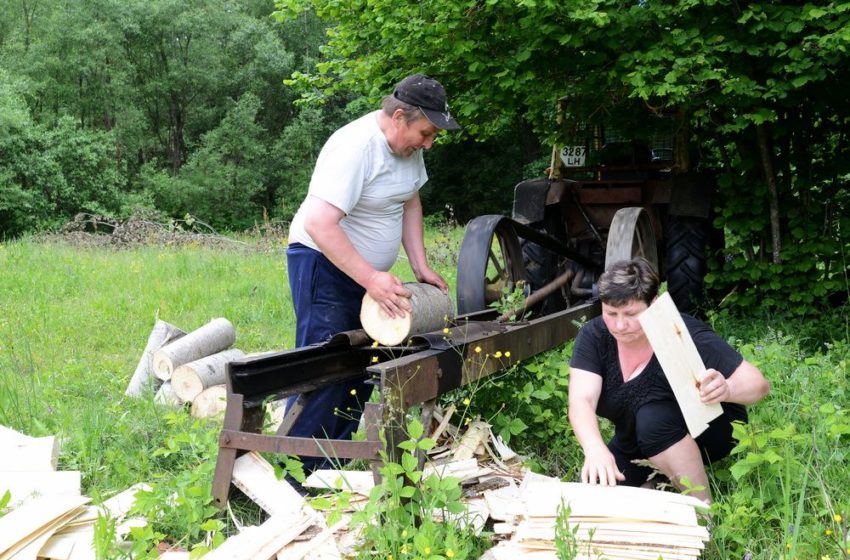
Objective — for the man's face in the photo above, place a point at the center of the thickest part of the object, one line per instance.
(407, 137)
(623, 322)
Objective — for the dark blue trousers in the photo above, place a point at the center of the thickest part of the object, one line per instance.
(326, 302)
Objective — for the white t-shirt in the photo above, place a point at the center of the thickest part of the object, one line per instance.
(357, 172)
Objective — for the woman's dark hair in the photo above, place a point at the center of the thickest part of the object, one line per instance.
(627, 281)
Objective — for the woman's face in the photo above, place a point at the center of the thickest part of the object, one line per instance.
(622, 321)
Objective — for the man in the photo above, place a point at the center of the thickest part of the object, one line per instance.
(363, 202)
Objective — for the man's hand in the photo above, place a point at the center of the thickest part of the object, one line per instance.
(388, 291)
(600, 467)
(714, 388)
(429, 276)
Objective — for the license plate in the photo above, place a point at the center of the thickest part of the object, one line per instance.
(573, 156)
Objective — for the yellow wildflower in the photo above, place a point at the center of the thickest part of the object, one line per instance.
(450, 553)
(837, 518)
(374, 359)
(375, 344)
(477, 349)
(827, 532)
(446, 330)
(466, 402)
(404, 533)
(354, 391)
(788, 546)
(498, 354)
(427, 550)
(508, 354)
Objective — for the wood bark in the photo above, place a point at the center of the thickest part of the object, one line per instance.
(432, 310)
(210, 402)
(190, 379)
(162, 334)
(215, 336)
(166, 395)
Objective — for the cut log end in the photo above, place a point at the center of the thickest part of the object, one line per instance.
(431, 310)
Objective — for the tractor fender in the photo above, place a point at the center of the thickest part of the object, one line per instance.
(691, 195)
(532, 196)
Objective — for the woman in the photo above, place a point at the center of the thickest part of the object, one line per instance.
(614, 373)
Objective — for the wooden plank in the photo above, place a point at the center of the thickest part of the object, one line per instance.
(12, 436)
(321, 543)
(30, 454)
(254, 476)
(359, 482)
(23, 485)
(263, 542)
(25, 523)
(680, 360)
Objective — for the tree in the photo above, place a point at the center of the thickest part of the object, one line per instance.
(760, 85)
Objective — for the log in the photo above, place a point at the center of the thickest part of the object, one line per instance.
(432, 310)
(680, 360)
(190, 379)
(210, 402)
(166, 395)
(215, 336)
(162, 334)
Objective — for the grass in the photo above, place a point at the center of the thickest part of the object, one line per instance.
(73, 323)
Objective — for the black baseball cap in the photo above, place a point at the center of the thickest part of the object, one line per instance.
(427, 94)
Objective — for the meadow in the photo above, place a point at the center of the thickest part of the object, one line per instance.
(74, 321)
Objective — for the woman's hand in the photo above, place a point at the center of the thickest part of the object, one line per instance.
(600, 467)
(714, 388)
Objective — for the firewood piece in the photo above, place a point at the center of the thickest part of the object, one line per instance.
(163, 333)
(680, 361)
(210, 402)
(443, 422)
(432, 309)
(215, 336)
(28, 454)
(166, 395)
(190, 379)
(263, 542)
(255, 477)
(477, 433)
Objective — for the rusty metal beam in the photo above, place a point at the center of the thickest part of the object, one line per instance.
(452, 360)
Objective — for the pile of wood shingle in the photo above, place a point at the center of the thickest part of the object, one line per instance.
(47, 518)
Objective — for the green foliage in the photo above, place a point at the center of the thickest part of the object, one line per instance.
(179, 502)
(512, 301)
(398, 520)
(47, 175)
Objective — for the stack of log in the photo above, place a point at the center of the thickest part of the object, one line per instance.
(47, 518)
(187, 368)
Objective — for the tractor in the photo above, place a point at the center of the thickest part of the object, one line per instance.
(606, 196)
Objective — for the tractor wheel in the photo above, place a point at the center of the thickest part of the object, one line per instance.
(631, 235)
(686, 240)
(489, 262)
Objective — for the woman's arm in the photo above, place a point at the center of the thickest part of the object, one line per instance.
(599, 463)
(746, 385)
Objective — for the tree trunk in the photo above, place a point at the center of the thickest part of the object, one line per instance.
(190, 379)
(770, 177)
(215, 336)
(432, 310)
(210, 402)
(162, 334)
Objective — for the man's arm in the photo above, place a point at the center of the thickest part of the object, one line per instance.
(599, 463)
(322, 225)
(413, 239)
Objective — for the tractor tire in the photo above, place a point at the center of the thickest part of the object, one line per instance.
(686, 240)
